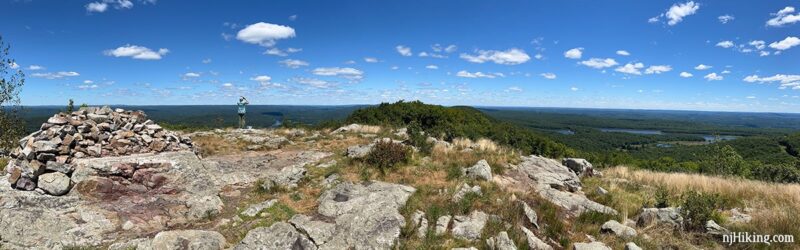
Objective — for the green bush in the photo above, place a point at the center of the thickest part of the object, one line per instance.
(662, 197)
(777, 173)
(698, 208)
(386, 155)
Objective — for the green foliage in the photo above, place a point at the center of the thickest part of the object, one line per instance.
(11, 82)
(3, 163)
(417, 137)
(84, 105)
(777, 173)
(724, 161)
(662, 197)
(386, 155)
(594, 217)
(698, 208)
(70, 106)
(452, 122)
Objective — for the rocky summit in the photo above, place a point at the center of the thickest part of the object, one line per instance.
(45, 159)
(143, 187)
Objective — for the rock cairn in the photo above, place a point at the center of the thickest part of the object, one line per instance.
(86, 133)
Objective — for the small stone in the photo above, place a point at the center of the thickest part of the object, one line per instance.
(469, 227)
(480, 170)
(25, 183)
(57, 120)
(533, 218)
(466, 189)
(533, 241)
(254, 209)
(128, 225)
(632, 246)
(601, 191)
(590, 246)
(618, 229)
(501, 242)
(54, 183)
(713, 228)
(442, 223)
(55, 166)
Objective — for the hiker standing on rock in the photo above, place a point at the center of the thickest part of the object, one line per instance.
(242, 110)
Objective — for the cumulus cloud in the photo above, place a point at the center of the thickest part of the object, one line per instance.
(783, 17)
(432, 67)
(575, 53)
(623, 53)
(725, 44)
(677, 12)
(370, 59)
(191, 75)
(548, 75)
(786, 81)
(96, 7)
(56, 75)
(348, 73)
(713, 77)
(293, 63)
(724, 19)
(785, 44)
(511, 56)
(403, 50)
(313, 82)
(703, 67)
(137, 52)
(657, 69)
(686, 74)
(599, 63)
(448, 49)
(758, 44)
(478, 74)
(629, 68)
(264, 34)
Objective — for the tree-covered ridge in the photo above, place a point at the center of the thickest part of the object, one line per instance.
(452, 122)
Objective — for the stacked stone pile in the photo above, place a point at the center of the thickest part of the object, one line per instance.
(86, 133)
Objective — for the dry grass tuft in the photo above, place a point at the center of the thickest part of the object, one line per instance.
(217, 145)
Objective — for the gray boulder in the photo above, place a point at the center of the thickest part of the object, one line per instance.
(530, 214)
(590, 246)
(318, 232)
(469, 227)
(632, 246)
(359, 151)
(442, 223)
(713, 228)
(466, 189)
(581, 167)
(288, 177)
(501, 242)
(670, 216)
(279, 236)
(480, 170)
(419, 221)
(366, 215)
(534, 242)
(189, 240)
(54, 183)
(618, 229)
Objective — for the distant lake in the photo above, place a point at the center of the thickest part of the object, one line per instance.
(718, 138)
(565, 132)
(632, 131)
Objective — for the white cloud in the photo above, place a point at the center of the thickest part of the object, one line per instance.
(478, 74)
(370, 59)
(313, 82)
(758, 44)
(686, 74)
(88, 86)
(348, 73)
(278, 52)
(448, 49)
(629, 68)
(548, 75)
(14, 65)
(293, 63)
(725, 44)
(599, 63)
(451, 48)
(657, 69)
(713, 77)
(96, 7)
(724, 19)
(574, 88)
(654, 19)
(514, 89)
(262, 78)
(56, 75)
(191, 75)
(511, 56)
(432, 67)
(703, 67)
(763, 53)
(403, 50)
(538, 56)
(207, 61)
(677, 12)
(293, 17)
(725, 72)
(264, 34)
(88, 81)
(784, 17)
(137, 52)
(623, 53)
(785, 44)
(227, 85)
(786, 81)
(575, 53)
(750, 97)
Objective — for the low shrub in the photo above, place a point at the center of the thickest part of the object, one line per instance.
(698, 208)
(386, 155)
(662, 197)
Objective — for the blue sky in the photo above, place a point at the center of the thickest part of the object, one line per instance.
(598, 54)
